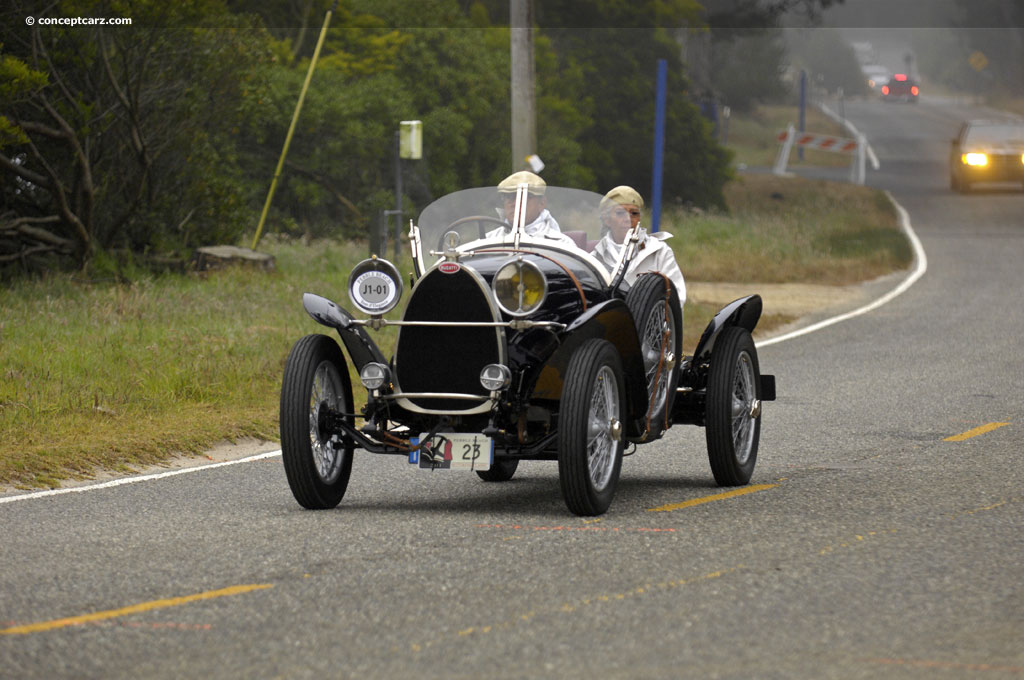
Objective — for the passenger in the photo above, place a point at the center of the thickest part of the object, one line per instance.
(538, 222)
(621, 209)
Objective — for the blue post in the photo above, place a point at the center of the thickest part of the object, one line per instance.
(803, 107)
(659, 144)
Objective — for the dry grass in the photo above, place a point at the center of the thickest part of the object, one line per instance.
(110, 376)
(783, 230)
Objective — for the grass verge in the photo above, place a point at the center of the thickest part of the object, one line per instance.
(115, 376)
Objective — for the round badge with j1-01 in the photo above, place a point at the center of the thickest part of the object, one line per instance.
(375, 286)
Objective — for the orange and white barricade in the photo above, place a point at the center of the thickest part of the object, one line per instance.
(809, 140)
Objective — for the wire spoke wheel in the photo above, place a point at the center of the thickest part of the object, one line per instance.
(601, 447)
(733, 415)
(314, 392)
(657, 341)
(743, 404)
(325, 394)
(654, 304)
(590, 431)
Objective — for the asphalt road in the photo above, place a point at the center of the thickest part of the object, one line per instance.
(867, 546)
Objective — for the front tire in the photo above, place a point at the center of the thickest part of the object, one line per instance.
(733, 416)
(590, 428)
(659, 328)
(317, 463)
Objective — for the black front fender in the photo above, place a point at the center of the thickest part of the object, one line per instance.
(359, 344)
(691, 399)
(611, 321)
(744, 312)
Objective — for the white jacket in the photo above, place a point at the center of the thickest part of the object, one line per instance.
(544, 226)
(652, 256)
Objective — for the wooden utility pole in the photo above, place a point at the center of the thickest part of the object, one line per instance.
(524, 100)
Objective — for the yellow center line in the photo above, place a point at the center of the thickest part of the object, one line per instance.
(716, 497)
(975, 432)
(133, 609)
(579, 605)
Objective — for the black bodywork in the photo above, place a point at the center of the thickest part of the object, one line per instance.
(432, 359)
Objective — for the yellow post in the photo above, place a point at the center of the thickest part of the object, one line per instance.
(291, 128)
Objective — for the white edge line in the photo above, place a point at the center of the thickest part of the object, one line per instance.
(921, 267)
(919, 270)
(132, 480)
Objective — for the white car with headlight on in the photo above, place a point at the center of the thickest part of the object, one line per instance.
(987, 151)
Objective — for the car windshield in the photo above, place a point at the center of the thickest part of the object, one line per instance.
(563, 220)
(996, 134)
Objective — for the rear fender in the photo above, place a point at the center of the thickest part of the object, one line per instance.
(360, 346)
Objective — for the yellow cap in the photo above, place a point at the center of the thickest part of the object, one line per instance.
(534, 184)
(622, 195)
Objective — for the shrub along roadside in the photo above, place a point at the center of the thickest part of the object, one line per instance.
(104, 375)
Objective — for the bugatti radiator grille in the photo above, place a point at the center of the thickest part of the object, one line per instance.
(446, 359)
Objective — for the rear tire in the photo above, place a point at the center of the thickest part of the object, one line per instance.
(590, 428)
(733, 416)
(317, 464)
(646, 302)
(501, 470)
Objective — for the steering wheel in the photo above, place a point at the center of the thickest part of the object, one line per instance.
(475, 218)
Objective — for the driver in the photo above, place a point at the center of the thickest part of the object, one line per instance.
(621, 209)
(539, 223)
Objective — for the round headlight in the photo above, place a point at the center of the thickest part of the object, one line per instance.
(375, 286)
(374, 375)
(519, 287)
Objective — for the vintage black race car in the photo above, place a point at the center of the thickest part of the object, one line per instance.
(514, 348)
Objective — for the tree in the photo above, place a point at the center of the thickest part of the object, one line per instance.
(616, 47)
(128, 140)
(387, 61)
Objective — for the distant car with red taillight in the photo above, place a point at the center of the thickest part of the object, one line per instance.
(901, 88)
